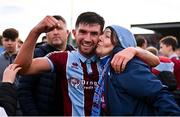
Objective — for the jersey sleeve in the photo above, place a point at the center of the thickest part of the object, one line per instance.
(57, 59)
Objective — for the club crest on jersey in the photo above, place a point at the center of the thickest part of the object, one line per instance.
(74, 82)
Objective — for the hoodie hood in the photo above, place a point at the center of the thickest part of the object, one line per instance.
(124, 36)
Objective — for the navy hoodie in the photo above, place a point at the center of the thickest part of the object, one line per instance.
(136, 91)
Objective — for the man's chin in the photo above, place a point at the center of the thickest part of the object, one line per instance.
(87, 53)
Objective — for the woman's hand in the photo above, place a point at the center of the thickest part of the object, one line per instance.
(10, 72)
(121, 58)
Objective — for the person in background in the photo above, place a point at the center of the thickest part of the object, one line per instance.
(178, 52)
(165, 73)
(168, 45)
(8, 94)
(133, 92)
(141, 42)
(77, 70)
(1, 46)
(44, 39)
(9, 41)
(39, 94)
(165, 63)
(19, 44)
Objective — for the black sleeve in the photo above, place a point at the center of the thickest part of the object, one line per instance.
(26, 88)
(8, 98)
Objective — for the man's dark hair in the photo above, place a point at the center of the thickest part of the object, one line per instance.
(10, 33)
(58, 17)
(43, 38)
(170, 41)
(90, 18)
(140, 40)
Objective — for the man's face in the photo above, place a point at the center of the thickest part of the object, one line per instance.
(58, 36)
(87, 36)
(9, 45)
(164, 49)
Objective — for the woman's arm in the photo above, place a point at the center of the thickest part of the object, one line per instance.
(121, 58)
(8, 96)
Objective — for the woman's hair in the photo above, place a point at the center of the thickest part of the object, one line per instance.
(121, 38)
(114, 41)
(114, 37)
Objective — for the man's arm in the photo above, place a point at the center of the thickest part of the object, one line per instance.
(120, 59)
(25, 55)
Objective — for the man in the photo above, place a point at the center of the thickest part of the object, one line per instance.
(37, 93)
(78, 71)
(168, 45)
(9, 41)
(19, 44)
(141, 42)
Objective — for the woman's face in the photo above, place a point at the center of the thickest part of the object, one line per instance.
(104, 46)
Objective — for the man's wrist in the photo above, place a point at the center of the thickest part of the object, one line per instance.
(35, 32)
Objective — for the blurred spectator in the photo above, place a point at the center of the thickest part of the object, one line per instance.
(165, 70)
(178, 52)
(9, 40)
(152, 50)
(168, 46)
(141, 42)
(44, 39)
(19, 44)
(1, 46)
(165, 63)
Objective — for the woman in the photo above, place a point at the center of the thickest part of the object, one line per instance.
(135, 91)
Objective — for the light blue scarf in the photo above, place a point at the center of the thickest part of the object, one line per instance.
(98, 98)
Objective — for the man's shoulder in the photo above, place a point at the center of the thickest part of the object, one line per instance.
(58, 54)
(2, 55)
(43, 50)
(176, 61)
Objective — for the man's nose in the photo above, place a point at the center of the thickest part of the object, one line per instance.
(55, 30)
(88, 36)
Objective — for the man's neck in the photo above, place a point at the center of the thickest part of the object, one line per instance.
(171, 53)
(60, 48)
